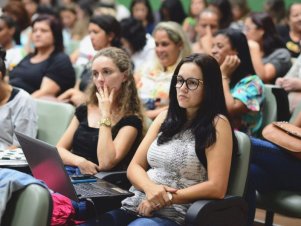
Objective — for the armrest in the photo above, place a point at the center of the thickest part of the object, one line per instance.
(118, 178)
(107, 175)
(232, 210)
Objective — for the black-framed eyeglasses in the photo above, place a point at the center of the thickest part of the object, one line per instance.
(191, 83)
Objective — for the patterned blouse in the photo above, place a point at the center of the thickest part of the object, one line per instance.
(176, 165)
(250, 91)
(153, 84)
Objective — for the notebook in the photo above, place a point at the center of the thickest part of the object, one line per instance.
(46, 165)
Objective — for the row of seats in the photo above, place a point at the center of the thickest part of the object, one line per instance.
(53, 120)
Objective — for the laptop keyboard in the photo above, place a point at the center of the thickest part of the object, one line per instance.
(91, 190)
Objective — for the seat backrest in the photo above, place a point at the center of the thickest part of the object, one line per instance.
(53, 120)
(295, 113)
(29, 206)
(240, 166)
(269, 106)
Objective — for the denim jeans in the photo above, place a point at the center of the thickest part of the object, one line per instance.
(271, 169)
(120, 217)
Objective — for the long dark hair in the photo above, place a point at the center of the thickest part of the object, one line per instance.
(239, 43)
(56, 30)
(213, 104)
(271, 39)
(110, 25)
(150, 16)
(172, 10)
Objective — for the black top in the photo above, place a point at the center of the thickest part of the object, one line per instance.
(57, 67)
(292, 46)
(86, 138)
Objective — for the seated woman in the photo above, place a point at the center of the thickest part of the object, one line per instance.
(186, 154)
(269, 56)
(272, 168)
(154, 77)
(291, 83)
(104, 31)
(48, 71)
(17, 111)
(105, 133)
(242, 88)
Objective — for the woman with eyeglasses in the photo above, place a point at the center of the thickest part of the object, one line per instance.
(186, 154)
(242, 87)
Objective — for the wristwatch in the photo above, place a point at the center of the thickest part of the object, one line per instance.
(105, 122)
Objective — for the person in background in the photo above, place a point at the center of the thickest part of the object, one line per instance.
(14, 53)
(276, 9)
(208, 24)
(240, 10)
(104, 31)
(190, 22)
(172, 10)
(223, 9)
(17, 11)
(154, 77)
(136, 42)
(291, 33)
(142, 11)
(243, 89)
(104, 133)
(272, 168)
(269, 56)
(186, 154)
(291, 83)
(48, 71)
(17, 111)
(69, 19)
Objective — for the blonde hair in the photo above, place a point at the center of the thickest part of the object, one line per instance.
(128, 102)
(177, 35)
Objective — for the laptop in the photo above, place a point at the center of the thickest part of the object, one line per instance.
(46, 165)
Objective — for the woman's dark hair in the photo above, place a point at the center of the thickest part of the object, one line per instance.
(56, 29)
(133, 31)
(172, 10)
(110, 25)
(239, 43)
(213, 104)
(86, 6)
(11, 23)
(17, 11)
(271, 39)
(226, 16)
(276, 9)
(2, 61)
(150, 17)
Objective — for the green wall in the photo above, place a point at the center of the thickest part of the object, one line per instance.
(255, 5)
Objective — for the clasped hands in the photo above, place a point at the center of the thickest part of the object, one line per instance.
(156, 198)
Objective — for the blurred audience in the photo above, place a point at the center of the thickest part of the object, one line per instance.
(48, 71)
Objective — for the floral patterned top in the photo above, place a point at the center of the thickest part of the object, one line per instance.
(250, 91)
(153, 84)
